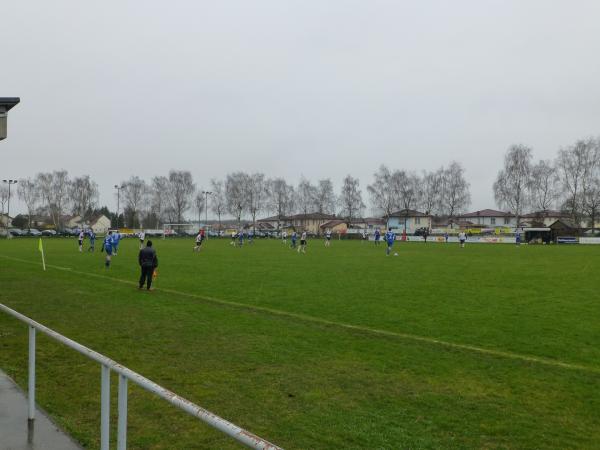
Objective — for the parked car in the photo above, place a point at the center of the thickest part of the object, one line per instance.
(48, 233)
(34, 232)
(15, 232)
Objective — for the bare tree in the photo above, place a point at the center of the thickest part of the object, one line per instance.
(382, 193)
(305, 196)
(351, 199)
(235, 195)
(591, 186)
(159, 199)
(218, 203)
(510, 187)
(572, 164)
(407, 187)
(30, 195)
(134, 192)
(199, 204)
(324, 197)
(256, 195)
(280, 198)
(455, 197)
(84, 195)
(3, 198)
(543, 185)
(431, 189)
(180, 190)
(54, 189)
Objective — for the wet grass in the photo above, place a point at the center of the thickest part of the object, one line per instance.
(322, 350)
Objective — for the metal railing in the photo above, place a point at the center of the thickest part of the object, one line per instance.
(125, 374)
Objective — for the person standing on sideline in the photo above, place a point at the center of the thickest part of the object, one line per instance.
(390, 237)
(92, 236)
(142, 236)
(148, 263)
(328, 238)
(107, 246)
(302, 247)
(377, 236)
(518, 238)
(81, 238)
(462, 237)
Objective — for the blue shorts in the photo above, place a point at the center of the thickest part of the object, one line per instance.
(108, 250)
(390, 243)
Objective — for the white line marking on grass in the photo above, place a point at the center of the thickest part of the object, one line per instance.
(347, 326)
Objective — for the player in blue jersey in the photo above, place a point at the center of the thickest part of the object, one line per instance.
(116, 238)
(518, 238)
(294, 239)
(241, 238)
(390, 237)
(92, 236)
(377, 236)
(107, 246)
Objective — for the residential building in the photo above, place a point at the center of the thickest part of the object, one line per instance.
(408, 220)
(310, 222)
(5, 220)
(489, 218)
(543, 218)
(336, 226)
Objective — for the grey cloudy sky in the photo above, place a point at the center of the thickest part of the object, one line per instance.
(291, 88)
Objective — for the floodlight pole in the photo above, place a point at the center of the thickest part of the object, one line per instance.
(10, 183)
(206, 194)
(118, 188)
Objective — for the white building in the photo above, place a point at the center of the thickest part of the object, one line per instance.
(489, 218)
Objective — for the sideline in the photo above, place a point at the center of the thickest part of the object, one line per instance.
(342, 325)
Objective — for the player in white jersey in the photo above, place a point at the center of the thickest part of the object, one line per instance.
(328, 238)
(462, 237)
(365, 236)
(233, 234)
(198, 242)
(142, 236)
(81, 238)
(302, 247)
(284, 237)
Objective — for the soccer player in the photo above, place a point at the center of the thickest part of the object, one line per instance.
(199, 239)
(302, 243)
(81, 238)
(328, 238)
(390, 237)
(142, 236)
(294, 238)
(462, 237)
(241, 238)
(92, 236)
(377, 236)
(446, 236)
(107, 246)
(233, 235)
(284, 237)
(518, 238)
(116, 237)
(148, 263)
(365, 236)
(250, 237)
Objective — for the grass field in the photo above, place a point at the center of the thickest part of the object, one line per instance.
(491, 346)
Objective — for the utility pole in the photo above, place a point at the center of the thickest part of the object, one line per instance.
(206, 194)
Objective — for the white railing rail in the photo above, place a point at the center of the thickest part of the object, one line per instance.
(125, 374)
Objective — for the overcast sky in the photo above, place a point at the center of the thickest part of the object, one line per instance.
(291, 88)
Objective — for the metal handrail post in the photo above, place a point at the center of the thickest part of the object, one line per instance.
(105, 408)
(122, 420)
(31, 378)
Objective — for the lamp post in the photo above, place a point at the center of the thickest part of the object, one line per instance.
(118, 188)
(10, 183)
(206, 194)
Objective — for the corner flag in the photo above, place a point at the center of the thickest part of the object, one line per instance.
(41, 249)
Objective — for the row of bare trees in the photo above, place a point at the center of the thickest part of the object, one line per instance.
(570, 183)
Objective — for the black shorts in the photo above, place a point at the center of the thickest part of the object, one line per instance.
(302, 242)
(80, 242)
(328, 238)
(141, 240)
(198, 243)
(462, 241)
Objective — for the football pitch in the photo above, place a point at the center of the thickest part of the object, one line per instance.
(491, 346)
